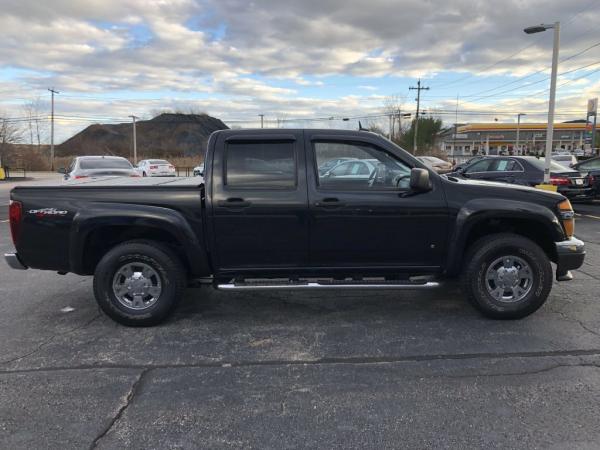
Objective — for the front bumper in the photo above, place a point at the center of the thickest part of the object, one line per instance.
(12, 259)
(570, 255)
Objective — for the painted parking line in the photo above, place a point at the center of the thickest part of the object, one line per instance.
(3, 221)
(588, 215)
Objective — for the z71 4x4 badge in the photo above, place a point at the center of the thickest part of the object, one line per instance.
(47, 212)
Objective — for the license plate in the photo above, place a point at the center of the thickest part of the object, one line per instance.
(579, 182)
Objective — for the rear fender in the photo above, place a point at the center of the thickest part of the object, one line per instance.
(96, 216)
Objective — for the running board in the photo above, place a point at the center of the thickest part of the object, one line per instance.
(397, 285)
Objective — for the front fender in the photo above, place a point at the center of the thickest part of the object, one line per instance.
(478, 210)
(99, 215)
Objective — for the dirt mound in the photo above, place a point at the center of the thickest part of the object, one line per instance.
(166, 135)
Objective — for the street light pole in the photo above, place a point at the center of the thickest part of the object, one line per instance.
(52, 91)
(134, 140)
(519, 152)
(551, 102)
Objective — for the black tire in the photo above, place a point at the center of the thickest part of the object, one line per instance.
(166, 266)
(483, 253)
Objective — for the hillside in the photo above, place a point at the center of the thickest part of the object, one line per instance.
(166, 135)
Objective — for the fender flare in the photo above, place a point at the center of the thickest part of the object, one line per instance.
(477, 210)
(99, 215)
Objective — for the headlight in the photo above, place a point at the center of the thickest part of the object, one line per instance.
(567, 217)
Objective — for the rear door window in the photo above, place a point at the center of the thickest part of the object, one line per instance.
(258, 164)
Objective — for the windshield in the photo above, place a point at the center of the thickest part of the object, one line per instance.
(158, 161)
(104, 163)
(538, 163)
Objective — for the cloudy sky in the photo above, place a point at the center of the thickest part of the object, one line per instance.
(294, 61)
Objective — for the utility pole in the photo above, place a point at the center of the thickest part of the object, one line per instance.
(418, 99)
(134, 140)
(52, 92)
(262, 120)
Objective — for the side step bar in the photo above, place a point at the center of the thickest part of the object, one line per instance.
(326, 285)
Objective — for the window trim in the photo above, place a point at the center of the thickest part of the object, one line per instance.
(499, 171)
(254, 139)
(349, 141)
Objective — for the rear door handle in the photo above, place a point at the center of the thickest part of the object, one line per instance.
(233, 203)
(330, 202)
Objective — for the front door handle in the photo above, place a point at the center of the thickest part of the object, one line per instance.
(233, 203)
(330, 202)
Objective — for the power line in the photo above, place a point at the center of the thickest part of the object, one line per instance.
(512, 90)
(470, 75)
(532, 74)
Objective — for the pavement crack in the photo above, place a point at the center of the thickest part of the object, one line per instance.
(49, 340)
(355, 360)
(121, 410)
(577, 321)
(521, 373)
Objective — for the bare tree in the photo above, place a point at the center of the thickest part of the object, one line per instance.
(36, 124)
(10, 133)
(392, 106)
(281, 120)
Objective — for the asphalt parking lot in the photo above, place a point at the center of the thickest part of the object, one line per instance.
(289, 370)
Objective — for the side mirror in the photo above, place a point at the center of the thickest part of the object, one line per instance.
(62, 170)
(419, 180)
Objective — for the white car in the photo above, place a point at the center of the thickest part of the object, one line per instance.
(565, 159)
(156, 168)
(199, 170)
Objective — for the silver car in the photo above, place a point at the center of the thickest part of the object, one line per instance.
(565, 160)
(98, 166)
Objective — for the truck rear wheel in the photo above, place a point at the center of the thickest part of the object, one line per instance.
(506, 276)
(139, 283)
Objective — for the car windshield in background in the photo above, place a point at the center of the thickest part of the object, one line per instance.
(103, 163)
(538, 163)
(158, 161)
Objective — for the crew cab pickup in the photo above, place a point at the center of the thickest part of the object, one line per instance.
(264, 216)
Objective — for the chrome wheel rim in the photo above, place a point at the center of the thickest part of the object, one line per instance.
(509, 279)
(137, 286)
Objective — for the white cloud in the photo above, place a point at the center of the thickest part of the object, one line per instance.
(242, 57)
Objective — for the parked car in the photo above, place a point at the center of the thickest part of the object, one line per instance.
(566, 160)
(590, 168)
(264, 219)
(437, 164)
(156, 168)
(330, 164)
(529, 171)
(198, 171)
(356, 169)
(98, 166)
(461, 166)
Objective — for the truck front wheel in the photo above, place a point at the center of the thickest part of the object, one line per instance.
(506, 276)
(139, 283)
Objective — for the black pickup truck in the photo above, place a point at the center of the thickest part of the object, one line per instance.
(266, 217)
